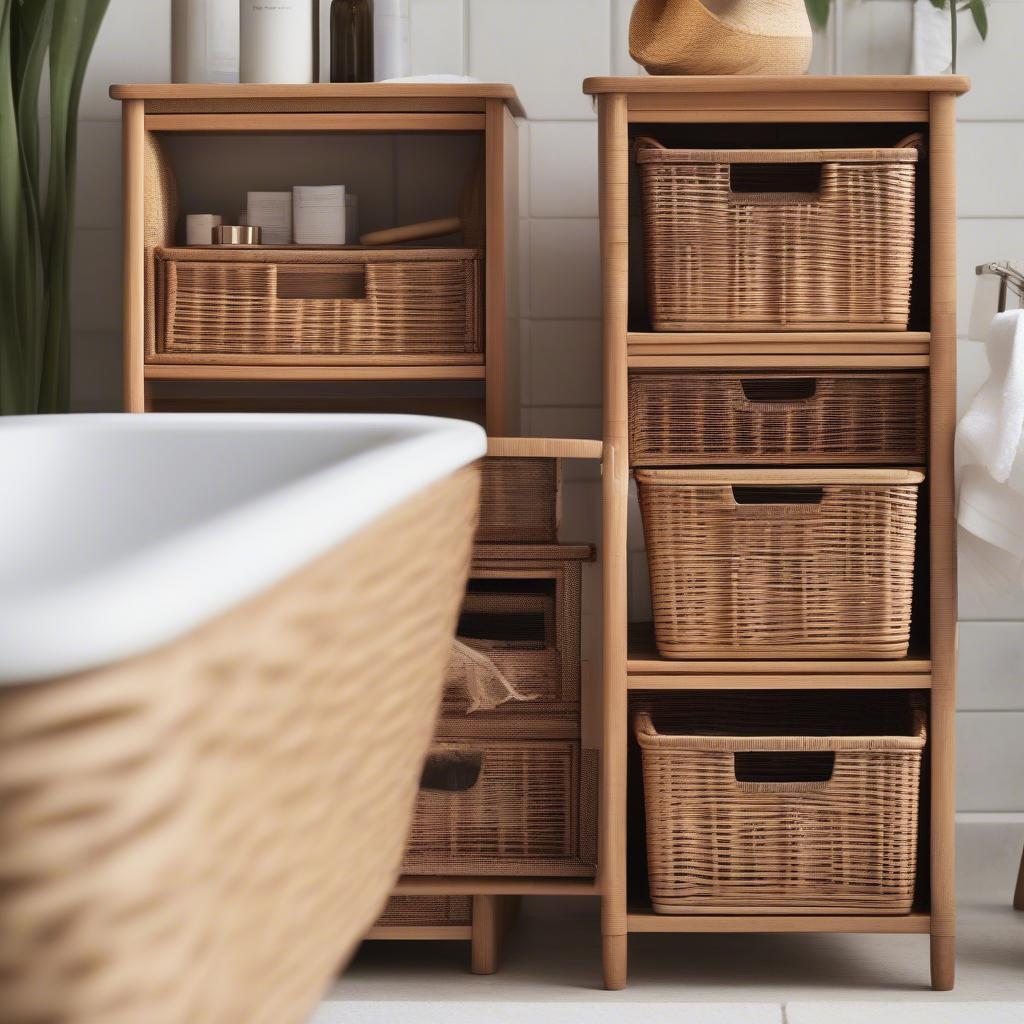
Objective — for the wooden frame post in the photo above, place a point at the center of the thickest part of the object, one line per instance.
(134, 155)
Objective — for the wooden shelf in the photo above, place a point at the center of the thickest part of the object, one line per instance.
(767, 360)
(644, 663)
(473, 885)
(648, 921)
(420, 933)
(273, 372)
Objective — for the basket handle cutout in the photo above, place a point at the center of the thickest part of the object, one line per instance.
(768, 494)
(452, 771)
(764, 390)
(776, 181)
(314, 282)
(784, 767)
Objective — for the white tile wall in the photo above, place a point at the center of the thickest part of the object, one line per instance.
(546, 48)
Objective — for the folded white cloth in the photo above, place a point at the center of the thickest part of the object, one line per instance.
(990, 441)
(933, 44)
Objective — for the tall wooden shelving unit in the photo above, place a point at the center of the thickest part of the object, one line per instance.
(487, 110)
(864, 105)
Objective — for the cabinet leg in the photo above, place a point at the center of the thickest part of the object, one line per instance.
(614, 950)
(486, 942)
(1018, 895)
(943, 962)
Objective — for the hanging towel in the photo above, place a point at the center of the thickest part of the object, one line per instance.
(933, 43)
(990, 439)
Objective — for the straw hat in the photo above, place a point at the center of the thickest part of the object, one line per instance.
(721, 37)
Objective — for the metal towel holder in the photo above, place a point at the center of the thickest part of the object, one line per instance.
(1009, 278)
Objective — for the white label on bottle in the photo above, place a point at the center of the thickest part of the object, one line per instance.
(390, 39)
(276, 41)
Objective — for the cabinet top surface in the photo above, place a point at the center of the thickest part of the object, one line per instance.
(418, 96)
(683, 84)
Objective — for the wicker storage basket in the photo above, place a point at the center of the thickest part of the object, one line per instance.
(762, 239)
(782, 803)
(308, 302)
(507, 807)
(519, 500)
(730, 418)
(426, 911)
(780, 563)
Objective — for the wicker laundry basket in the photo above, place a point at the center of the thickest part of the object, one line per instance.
(203, 834)
(773, 238)
(519, 500)
(869, 418)
(254, 301)
(796, 563)
(782, 803)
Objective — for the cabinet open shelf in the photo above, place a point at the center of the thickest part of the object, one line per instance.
(643, 919)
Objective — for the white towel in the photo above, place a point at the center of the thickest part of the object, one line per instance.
(990, 440)
(933, 43)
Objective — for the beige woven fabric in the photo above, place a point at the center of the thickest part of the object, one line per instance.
(202, 835)
(734, 37)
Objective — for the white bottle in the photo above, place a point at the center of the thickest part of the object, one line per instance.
(204, 41)
(390, 39)
(276, 41)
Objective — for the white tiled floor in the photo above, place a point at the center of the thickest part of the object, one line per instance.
(554, 957)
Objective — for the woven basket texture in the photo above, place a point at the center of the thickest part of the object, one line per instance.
(778, 577)
(520, 816)
(776, 255)
(733, 418)
(519, 500)
(415, 302)
(203, 834)
(752, 37)
(413, 911)
(781, 803)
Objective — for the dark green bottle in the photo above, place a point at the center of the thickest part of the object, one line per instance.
(352, 41)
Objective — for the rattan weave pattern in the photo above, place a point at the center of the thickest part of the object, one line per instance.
(519, 500)
(414, 302)
(718, 259)
(719, 845)
(778, 577)
(732, 418)
(204, 833)
(522, 809)
(411, 911)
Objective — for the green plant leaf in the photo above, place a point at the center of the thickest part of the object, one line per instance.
(980, 16)
(817, 11)
(940, 4)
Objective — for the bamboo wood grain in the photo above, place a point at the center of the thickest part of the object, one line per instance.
(810, 115)
(412, 96)
(761, 361)
(272, 372)
(750, 102)
(779, 681)
(451, 885)
(942, 539)
(796, 476)
(134, 301)
(638, 340)
(613, 156)
(816, 85)
(496, 142)
(543, 448)
(486, 934)
(647, 921)
(316, 122)
(279, 359)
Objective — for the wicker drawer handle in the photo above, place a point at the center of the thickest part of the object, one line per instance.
(452, 771)
(321, 282)
(777, 496)
(778, 393)
(784, 769)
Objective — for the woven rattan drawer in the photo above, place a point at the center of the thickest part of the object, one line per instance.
(763, 239)
(508, 807)
(525, 620)
(426, 912)
(778, 803)
(519, 500)
(780, 563)
(249, 302)
(870, 418)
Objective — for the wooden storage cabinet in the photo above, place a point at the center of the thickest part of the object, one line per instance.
(677, 353)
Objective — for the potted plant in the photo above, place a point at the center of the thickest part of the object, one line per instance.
(37, 204)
